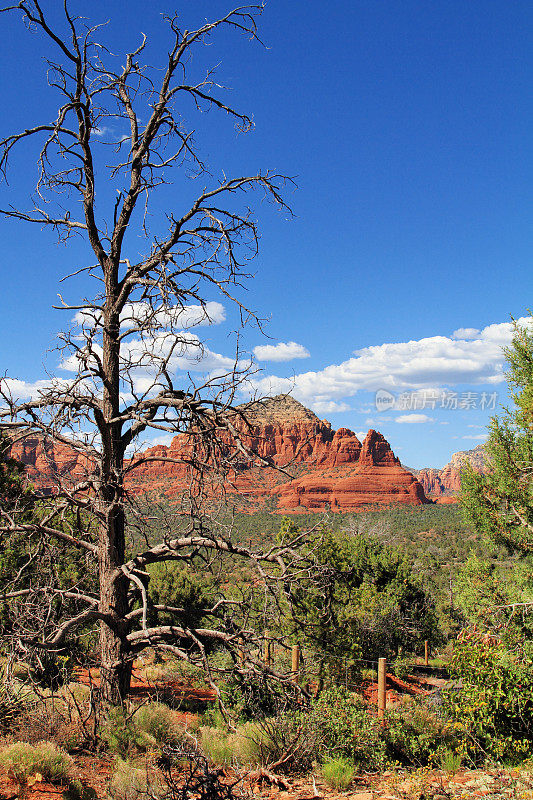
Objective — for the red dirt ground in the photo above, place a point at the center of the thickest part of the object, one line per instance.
(494, 784)
(141, 688)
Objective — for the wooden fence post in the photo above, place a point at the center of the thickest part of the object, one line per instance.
(426, 653)
(382, 686)
(295, 661)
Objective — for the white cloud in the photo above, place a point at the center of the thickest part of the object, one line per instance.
(24, 390)
(361, 434)
(403, 366)
(465, 333)
(160, 337)
(177, 351)
(283, 351)
(329, 407)
(415, 419)
(142, 314)
(164, 439)
(480, 437)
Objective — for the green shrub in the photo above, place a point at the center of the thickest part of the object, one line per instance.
(338, 773)
(153, 725)
(294, 733)
(77, 790)
(348, 729)
(117, 732)
(129, 782)
(22, 760)
(15, 699)
(494, 707)
(213, 717)
(156, 725)
(336, 726)
(416, 737)
(450, 761)
(401, 667)
(245, 746)
(217, 746)
(252, 698)
(249, 743)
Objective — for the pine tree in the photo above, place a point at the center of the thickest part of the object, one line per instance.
(500, 503)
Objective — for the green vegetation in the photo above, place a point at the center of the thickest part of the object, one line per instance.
(493, 658)
(247, 746)
(500, 504)
(23, 761)
(376, 583)
(130, 782)
(338, 772)
(152, 726)
(417, 736)
(494, 704)
(363, 600)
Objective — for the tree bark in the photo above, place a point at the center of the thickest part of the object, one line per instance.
(115, 666)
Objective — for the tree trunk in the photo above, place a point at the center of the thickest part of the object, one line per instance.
(115, 667)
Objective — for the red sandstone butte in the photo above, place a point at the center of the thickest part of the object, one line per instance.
(48, 462)
(321, 467)
(377, 478)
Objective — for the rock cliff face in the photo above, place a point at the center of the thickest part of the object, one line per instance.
(47, 461)
(285, 431)
(446, 482)
(332, 469)
(322, 468)
(374, 476)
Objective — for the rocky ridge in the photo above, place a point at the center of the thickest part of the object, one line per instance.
(446, 482)
(312, 467)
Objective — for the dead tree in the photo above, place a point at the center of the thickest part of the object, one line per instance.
(119, 138)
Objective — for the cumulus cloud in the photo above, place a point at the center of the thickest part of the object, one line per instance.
(465, 333)
(283, 351)
(142, 314)
(25, 390)
(415, 419)
(403, 366)
(154, 338)
(143, 356)
(329, 407)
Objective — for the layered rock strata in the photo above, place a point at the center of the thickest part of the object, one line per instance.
(311, 466)
(377, 478)
(446, 482)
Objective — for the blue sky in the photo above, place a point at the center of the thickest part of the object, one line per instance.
(407, 128)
